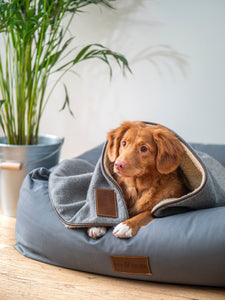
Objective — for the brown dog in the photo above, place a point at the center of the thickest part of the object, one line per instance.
(145, 164)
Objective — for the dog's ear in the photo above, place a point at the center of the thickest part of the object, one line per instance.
(114, 138)
(169, 150)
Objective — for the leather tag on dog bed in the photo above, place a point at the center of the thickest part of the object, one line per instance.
(131, 264)
(106, 203)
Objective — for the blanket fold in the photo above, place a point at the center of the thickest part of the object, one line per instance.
(76, 188)
(85, 195)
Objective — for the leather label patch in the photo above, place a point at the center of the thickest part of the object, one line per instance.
(106, 205)
(131, 264)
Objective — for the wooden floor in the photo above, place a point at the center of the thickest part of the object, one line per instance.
(23, 278)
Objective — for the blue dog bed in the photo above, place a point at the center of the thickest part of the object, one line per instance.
(184, 248)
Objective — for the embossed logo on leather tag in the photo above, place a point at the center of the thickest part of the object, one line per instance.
(131, 264)
(106, 205)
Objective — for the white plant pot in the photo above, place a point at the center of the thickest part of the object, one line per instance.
(17, 161)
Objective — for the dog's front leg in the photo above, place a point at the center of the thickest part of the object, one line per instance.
(96, 232)
(130, 227)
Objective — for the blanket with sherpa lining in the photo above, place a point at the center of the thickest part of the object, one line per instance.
(86, 195)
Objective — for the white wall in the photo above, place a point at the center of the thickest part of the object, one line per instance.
(192, 104)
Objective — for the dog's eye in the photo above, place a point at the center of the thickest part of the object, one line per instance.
(124, 143)
(144, 149)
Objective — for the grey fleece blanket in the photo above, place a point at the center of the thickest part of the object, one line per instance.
(84, 195)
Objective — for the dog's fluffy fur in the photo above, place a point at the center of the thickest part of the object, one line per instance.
(146, 166)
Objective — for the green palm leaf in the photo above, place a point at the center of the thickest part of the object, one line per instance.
(35, 47)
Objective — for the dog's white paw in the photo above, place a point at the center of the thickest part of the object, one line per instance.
(122, 231)
(96, 232)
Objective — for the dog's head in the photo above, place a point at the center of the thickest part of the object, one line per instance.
(137, 149)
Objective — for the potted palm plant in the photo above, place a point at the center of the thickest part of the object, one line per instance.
(35, 44)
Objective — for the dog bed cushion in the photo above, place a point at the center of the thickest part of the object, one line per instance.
(182, 248)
